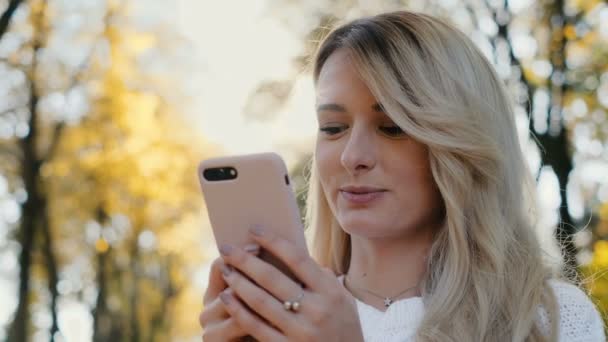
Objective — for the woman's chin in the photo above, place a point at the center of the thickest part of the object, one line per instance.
(362, 225)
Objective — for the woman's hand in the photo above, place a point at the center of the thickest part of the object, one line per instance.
(326, 310)
(216, 322)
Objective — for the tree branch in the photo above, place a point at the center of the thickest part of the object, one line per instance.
(5, 20)
(57, 131)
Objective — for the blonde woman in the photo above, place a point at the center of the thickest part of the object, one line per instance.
(419, 202)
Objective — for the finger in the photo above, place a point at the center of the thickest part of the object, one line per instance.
(216, 281)
(214, 312)
(251, 324)
(293, 256)
(261, 302)
(225, 330)
(262, 273)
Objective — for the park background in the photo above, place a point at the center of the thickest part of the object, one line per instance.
(106, 107)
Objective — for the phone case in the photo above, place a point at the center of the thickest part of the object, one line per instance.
(259, 195)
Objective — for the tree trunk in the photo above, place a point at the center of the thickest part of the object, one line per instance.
(30, 169)
(555, 140)
(553, 144)
(101, 323)
(101, 320)
(51, 265)
(133, 291)
(6, 17)
(32, 210)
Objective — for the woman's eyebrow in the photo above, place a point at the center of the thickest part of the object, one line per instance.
(331, 107)
(339, 108)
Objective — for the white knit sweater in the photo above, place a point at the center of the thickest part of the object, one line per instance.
(579, 319)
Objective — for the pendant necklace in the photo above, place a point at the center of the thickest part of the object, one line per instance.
(387, 300)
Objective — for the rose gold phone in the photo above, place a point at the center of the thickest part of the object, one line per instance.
(243, 191)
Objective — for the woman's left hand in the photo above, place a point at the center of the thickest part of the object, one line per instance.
(326, 311)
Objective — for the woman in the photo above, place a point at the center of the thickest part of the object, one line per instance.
(419, 201)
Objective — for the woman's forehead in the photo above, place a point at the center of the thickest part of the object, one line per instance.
(339, 76)
(338, 65)
(344, 92)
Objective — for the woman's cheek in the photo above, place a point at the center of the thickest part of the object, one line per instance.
(327, 160)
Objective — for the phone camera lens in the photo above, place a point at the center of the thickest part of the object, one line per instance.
(220, 173)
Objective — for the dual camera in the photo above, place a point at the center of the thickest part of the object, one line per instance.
(217, 174)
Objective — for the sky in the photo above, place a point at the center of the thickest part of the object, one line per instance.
(235, 50)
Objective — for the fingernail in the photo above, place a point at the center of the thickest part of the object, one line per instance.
(225, 298)
(226, 270)
(257, 231)
(226, 250)
(252, 248)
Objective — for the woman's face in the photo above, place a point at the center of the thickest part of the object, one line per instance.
(376, 179)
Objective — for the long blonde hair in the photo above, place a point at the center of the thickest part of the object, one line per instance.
(486, 275)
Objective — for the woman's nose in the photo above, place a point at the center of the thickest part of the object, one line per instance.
(359, 152)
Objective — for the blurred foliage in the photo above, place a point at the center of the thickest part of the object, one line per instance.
(113, 186)
(595, 273)
(597, 277)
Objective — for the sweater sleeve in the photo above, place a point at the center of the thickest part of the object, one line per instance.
(579, 320)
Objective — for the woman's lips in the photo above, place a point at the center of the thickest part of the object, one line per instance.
(361, 198)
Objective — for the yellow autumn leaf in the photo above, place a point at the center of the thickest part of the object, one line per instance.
(570, 32)
(600, 253)
(101, 245)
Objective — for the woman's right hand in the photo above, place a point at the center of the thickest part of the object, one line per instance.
(217, 324)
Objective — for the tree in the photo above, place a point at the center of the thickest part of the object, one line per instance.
(108, 166)
(34, 210)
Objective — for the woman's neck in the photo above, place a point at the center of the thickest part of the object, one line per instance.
(387, 267)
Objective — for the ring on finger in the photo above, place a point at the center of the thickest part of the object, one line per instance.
(294, 304)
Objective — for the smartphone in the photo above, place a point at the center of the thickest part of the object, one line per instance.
(247, 190)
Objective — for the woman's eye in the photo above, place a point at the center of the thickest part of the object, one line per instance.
(331, 130)
(392, 131)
